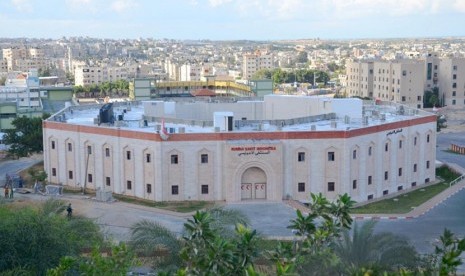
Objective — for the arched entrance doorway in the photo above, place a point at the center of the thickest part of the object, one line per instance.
(253, 184)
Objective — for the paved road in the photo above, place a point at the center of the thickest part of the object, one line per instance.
(13, 166)
(443, 143)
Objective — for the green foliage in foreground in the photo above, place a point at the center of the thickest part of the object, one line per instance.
(34, 239)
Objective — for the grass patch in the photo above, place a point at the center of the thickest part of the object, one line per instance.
(404, 203)
(179, 206)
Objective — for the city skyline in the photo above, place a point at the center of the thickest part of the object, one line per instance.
(232, 19)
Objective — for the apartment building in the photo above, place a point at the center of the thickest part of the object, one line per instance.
(190, 72)
(451, 84)
(23, 59)
(431, 71)
(253, 62)
(89, 75)
(360, 79)
(401, 81)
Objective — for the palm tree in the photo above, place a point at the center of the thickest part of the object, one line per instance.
(363, 249)
(151, 238)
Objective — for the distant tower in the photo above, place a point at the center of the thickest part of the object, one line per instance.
(70, 60)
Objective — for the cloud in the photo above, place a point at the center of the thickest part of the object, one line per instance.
(459, 5)
(22, 5)
(123, 5)
(215, 3)
(83, 5)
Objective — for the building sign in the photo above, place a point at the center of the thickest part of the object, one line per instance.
(243, 151)
(395, 131)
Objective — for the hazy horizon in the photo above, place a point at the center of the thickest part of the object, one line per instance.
(259, 20)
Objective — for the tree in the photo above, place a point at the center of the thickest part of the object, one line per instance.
(311, 252)
(302, 57)
(215, 240)
(118, 262)
(448, 252)
(26, 136)
(363, 249)
(262, 74)
(34, 239)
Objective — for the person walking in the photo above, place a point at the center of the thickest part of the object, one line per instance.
(11, 193)
(69, 210)
(7, 192)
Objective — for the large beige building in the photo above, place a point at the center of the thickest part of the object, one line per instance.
(280, 147)
(253, 62)
(452, 82)
(400, 81)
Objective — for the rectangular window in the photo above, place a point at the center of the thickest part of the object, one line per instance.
(427, 180)
(418, 98)
(89, 149)
(369, 151)
(453, 102)
(174, 159)
(89, 178)
(129, 185)
(386, 175)
(204, 189)
(454, 76)
(128, 155)
(454, 85)
(204, 158)
(414, 167)
(149, 188)
(385, 192)
(108, 181)
(107, 152)
(70, 147)
(404, 73)
(400, 188)
(403, 98)
(400, 144)
(427, 164)
(174, 189)
(148, 158)
(415, 141)
(370, 197)
(301, 157)
(301, 187)
(400, 171)
(354, 184)
(454, 93)
(370, 179)
(414, 184)
(386, 147)
(354, 154)
(454, 67)
(331, 156)
(54, 172)
(427, 138)
(330, 186)
(53, 144)
(70, 174)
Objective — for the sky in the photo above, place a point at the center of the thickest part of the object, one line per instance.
(232, 19)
